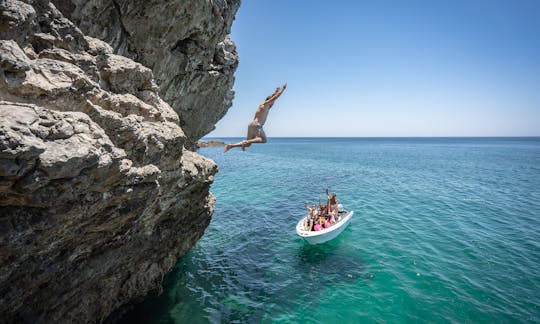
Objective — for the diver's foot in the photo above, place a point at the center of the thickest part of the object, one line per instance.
(227, 147)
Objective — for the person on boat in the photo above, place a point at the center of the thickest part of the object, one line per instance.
(322, 220)
(312, 216)
(313, 211)
(255, 128)
(332, 202)
(333, 217)
(330, 219)
(323, 210)
(319, 225)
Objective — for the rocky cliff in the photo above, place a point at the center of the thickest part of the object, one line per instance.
(98, 197)
(185, 43)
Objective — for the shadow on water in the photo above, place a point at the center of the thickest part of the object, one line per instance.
(331, 262)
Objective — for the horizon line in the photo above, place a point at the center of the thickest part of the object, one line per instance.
(488, 136)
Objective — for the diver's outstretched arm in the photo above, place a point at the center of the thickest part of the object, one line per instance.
(275, 95)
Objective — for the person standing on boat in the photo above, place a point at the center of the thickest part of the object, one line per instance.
(255, 131)
(332, 203)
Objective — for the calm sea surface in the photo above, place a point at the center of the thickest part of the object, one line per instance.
(445, 230)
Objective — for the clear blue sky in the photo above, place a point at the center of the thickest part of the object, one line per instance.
(388, 68)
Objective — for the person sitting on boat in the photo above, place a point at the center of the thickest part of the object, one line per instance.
(320, 223)
(330, 219)
(333, 217)
(322, 220)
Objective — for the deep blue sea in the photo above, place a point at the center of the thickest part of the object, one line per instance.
(445, 230)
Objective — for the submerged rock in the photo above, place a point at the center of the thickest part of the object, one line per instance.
(98, 196)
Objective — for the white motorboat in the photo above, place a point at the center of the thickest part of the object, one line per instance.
(324, 235)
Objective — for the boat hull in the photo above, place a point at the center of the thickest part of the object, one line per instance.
(325, 235)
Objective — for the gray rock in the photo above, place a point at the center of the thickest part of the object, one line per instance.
(17, 19)
(185, 43)
(98, 196)
(12, 57)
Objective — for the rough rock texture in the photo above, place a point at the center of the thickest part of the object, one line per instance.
(98, 197)
(185, 43)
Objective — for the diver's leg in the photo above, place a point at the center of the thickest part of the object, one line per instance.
(230, 146)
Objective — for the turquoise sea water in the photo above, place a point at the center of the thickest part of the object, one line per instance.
(445, 230)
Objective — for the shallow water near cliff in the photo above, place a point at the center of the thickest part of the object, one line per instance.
(445, 230)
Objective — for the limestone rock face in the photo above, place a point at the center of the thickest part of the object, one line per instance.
(185, 43)
(98, 197)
